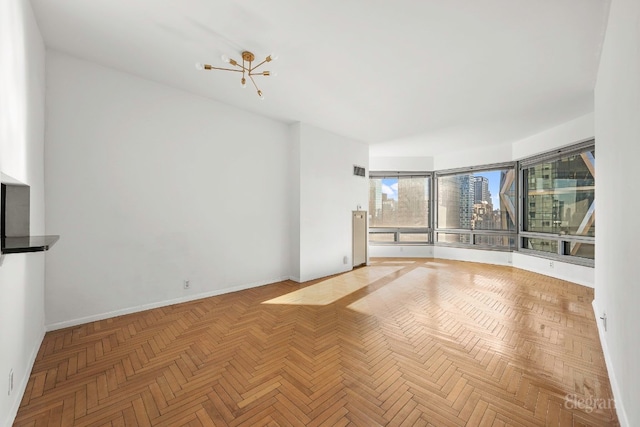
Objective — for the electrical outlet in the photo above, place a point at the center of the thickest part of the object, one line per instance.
(551, 264)
(187, 284)
(10, 382)
(345, 260)
(604, 320)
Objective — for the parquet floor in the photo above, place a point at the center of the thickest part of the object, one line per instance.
(398, 343)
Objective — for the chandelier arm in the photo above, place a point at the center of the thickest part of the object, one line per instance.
(237, 64)
(260, 64)
(243, 67)
(224, 69)
(253, 81)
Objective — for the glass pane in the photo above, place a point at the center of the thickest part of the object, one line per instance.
(399, 202)
(560, 196)
(478, 201)
(550, 246)
(495, 241)
(580, 250)
(454, 238)
(381, 237)
(414, 237)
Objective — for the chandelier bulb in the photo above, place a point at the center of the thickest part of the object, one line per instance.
(199, 66)
(243, 82)
(260, 95)
(225, 58)
(272, 57)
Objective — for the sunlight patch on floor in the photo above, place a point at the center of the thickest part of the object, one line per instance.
(398, 262)
(401, 290)
(331, 290)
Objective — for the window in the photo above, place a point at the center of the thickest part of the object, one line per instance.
(399, 208)
(477, 207)
(545, 207)
(559, 201)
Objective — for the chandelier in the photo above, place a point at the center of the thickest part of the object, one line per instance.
(246, 68)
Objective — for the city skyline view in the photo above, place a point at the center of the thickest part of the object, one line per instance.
(390, 186)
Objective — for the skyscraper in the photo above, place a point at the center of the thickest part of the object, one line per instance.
(482, 193)
(413, 205)
(467, 197)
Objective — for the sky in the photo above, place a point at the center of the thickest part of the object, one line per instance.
(390, 186)
(494, 185)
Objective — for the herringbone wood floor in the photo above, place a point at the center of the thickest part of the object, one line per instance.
(404, 342)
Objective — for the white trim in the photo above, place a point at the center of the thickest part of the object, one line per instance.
(13, 412)
(295, 279)
(400, 251)
(615, 388)
(574, 273)
(328, 273)
(136, 309)
(479, 256)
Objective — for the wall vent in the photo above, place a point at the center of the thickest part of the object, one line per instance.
(358, 170)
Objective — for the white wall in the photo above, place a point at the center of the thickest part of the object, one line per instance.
(22, 89)
(294, 161)
(329, 192)
(475, 157)
(149, 186)
(571, 132)
(401, 164)
(617, 126)
(473, 255)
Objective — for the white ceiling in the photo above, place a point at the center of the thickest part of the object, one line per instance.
(408, 77)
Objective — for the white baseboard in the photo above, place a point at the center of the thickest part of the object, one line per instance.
(615, 389)
(136, 309)
(19, 391)
(579, 274)
(473, 255)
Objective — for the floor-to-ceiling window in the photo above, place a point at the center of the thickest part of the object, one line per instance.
(543, 206)
(399, 208)
(558, 204)
(477, 207)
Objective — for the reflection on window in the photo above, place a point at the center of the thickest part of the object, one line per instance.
(495, 241)
(542, 245)
(454, 238)
(399, 202)
(561, 195)
(580, 250)
(478, 201)
(382, 237)
(414, 237)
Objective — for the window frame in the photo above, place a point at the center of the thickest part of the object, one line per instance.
(473, 233)
(562, 240)
(398, 231)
